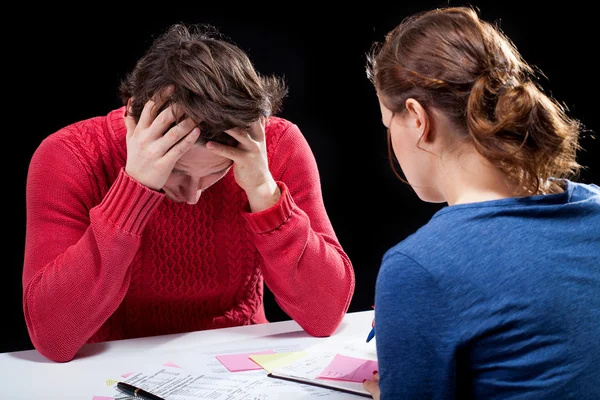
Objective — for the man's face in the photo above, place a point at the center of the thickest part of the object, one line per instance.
(194, 172)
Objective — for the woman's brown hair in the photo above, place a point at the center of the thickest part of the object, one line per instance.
(451, 60)
(215, 83)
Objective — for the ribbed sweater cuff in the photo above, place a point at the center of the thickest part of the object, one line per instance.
(273, 217)
(129, 204)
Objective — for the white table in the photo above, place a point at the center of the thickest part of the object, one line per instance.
(29, 375)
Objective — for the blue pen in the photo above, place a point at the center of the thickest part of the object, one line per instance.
(371, 335)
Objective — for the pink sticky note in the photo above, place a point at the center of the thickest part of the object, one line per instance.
(127, 375)
(170, 364)
(344, 368)
(102, 398)
(241, 362)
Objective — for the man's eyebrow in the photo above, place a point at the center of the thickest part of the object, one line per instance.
(179, 171)
(223, 170)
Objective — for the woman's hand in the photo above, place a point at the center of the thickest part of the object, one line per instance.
(372, 386)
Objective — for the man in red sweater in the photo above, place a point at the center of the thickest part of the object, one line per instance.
(165, 215)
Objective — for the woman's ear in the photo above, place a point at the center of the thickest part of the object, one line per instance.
(419, 120)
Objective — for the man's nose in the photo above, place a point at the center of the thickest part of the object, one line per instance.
(194, 197)
(193, 190)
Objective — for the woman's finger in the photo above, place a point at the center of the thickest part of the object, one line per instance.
(372, 387)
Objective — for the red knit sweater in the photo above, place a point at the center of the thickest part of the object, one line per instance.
(107, 258)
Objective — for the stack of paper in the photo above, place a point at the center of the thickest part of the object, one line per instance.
(320, 368)
(339, 366)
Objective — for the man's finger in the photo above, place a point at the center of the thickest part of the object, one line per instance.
(242, 136)
(173, 135)
(154, 106)
(167, 120)
(129, 124)
(223, 150)
(257, 130)
(182, 146)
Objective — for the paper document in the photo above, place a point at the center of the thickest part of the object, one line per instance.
(324, 357)
(203, 376)
(179, 384)
(175, 383)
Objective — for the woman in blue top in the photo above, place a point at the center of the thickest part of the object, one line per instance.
(498, 295)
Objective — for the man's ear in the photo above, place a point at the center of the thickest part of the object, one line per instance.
(420, 120)
(128, 107)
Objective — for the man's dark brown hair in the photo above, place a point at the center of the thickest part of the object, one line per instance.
(214, 81)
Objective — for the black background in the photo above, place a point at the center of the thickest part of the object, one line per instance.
(65, 65)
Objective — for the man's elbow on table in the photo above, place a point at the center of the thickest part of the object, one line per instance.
(51, 348)
(320, 326)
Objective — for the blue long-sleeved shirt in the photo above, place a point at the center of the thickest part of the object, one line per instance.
(495, 300)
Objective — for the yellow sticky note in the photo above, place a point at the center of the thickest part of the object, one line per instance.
(271, 361)
(110, 382)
